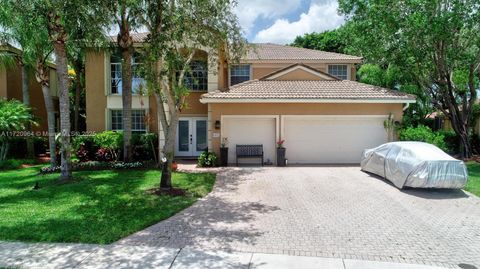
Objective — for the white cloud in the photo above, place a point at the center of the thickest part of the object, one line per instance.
(248, 11)
(320, 17)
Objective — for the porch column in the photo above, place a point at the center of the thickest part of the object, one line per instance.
(212, 73)
(209, 129)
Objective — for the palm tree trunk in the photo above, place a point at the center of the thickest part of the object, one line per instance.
(127, 103)
(62, 73)
(76, 109)
(26, 101)
(47, 97)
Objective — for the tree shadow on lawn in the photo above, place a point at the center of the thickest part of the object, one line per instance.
(214, 222)
(97, 208)
(431, 193)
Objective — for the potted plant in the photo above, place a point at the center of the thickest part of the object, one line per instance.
(281, 153)
(174, 166)
(224, 152)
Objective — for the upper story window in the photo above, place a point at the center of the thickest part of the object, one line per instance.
(116, 74)
(138, 120)
(197, 77)
(239, 73)
(339, 70)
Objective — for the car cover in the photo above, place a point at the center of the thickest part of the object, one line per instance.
(415, 164)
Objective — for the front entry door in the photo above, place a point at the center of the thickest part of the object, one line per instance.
(191, 136)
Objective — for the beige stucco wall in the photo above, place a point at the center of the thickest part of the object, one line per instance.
(194, 107)
(11, 88)
(299, 75)
(96, 98)
(297, 109)
(95, 83)
(260, 70)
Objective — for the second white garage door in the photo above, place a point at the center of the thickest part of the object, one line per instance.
(331, 139)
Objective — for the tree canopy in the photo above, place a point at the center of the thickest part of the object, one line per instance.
(434, 42)
(332, 40)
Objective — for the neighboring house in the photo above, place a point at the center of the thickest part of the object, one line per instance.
(11, 88)
(307, 97)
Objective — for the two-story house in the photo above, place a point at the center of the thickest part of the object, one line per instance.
(306, 97)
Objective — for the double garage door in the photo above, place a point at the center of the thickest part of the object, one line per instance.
(308, 139)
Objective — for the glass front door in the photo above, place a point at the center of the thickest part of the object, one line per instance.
(191, 137)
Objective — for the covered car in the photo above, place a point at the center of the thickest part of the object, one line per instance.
(416, 165)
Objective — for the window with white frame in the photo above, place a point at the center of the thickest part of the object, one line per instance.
(196, 79)
(116, 74)
(239, 73)
(338, 70)
(138, 120)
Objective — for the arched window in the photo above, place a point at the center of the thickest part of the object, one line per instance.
(197, 77)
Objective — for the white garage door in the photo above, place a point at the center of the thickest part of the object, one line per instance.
(331, 139)
(247, 131)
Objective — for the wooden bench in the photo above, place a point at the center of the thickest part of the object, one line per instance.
(249, 151)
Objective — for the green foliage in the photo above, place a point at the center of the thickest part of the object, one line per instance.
(332, 41)
(436, 44)
(423, 134)
(10, 164)
(14, 115)
(207, 159)
(109, 139)
(96, 165)
(372, 74)
(473, 183)
(452, 141)
(79, 140)
(99, 207)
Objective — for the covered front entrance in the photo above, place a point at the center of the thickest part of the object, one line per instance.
(191, 138)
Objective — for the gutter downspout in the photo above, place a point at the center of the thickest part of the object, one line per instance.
(406, 106)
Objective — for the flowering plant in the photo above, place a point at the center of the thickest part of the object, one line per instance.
(280, 143)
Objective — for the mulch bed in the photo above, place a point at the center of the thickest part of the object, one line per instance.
(170, 192)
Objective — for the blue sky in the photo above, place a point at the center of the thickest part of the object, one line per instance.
(280, 21)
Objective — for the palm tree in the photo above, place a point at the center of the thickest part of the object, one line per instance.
(125, 14)
(26, 31)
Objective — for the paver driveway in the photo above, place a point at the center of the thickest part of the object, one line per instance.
(325, 211)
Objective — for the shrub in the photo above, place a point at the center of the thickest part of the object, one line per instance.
(424, 134)
(84, 147)
(144, 146)
(451, 140)
(110, 144)
(10, 164)
(207, 159)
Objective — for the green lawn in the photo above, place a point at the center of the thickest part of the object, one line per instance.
(473, 184)
(99, 207)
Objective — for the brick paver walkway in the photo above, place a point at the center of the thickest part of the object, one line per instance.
(336, 212)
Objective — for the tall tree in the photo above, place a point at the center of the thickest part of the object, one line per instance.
(60, 18)
(6, 19)
(125, 13)
(438, 41)
(332, 41)
(177, 29)
(397, 78)
(27, 31)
